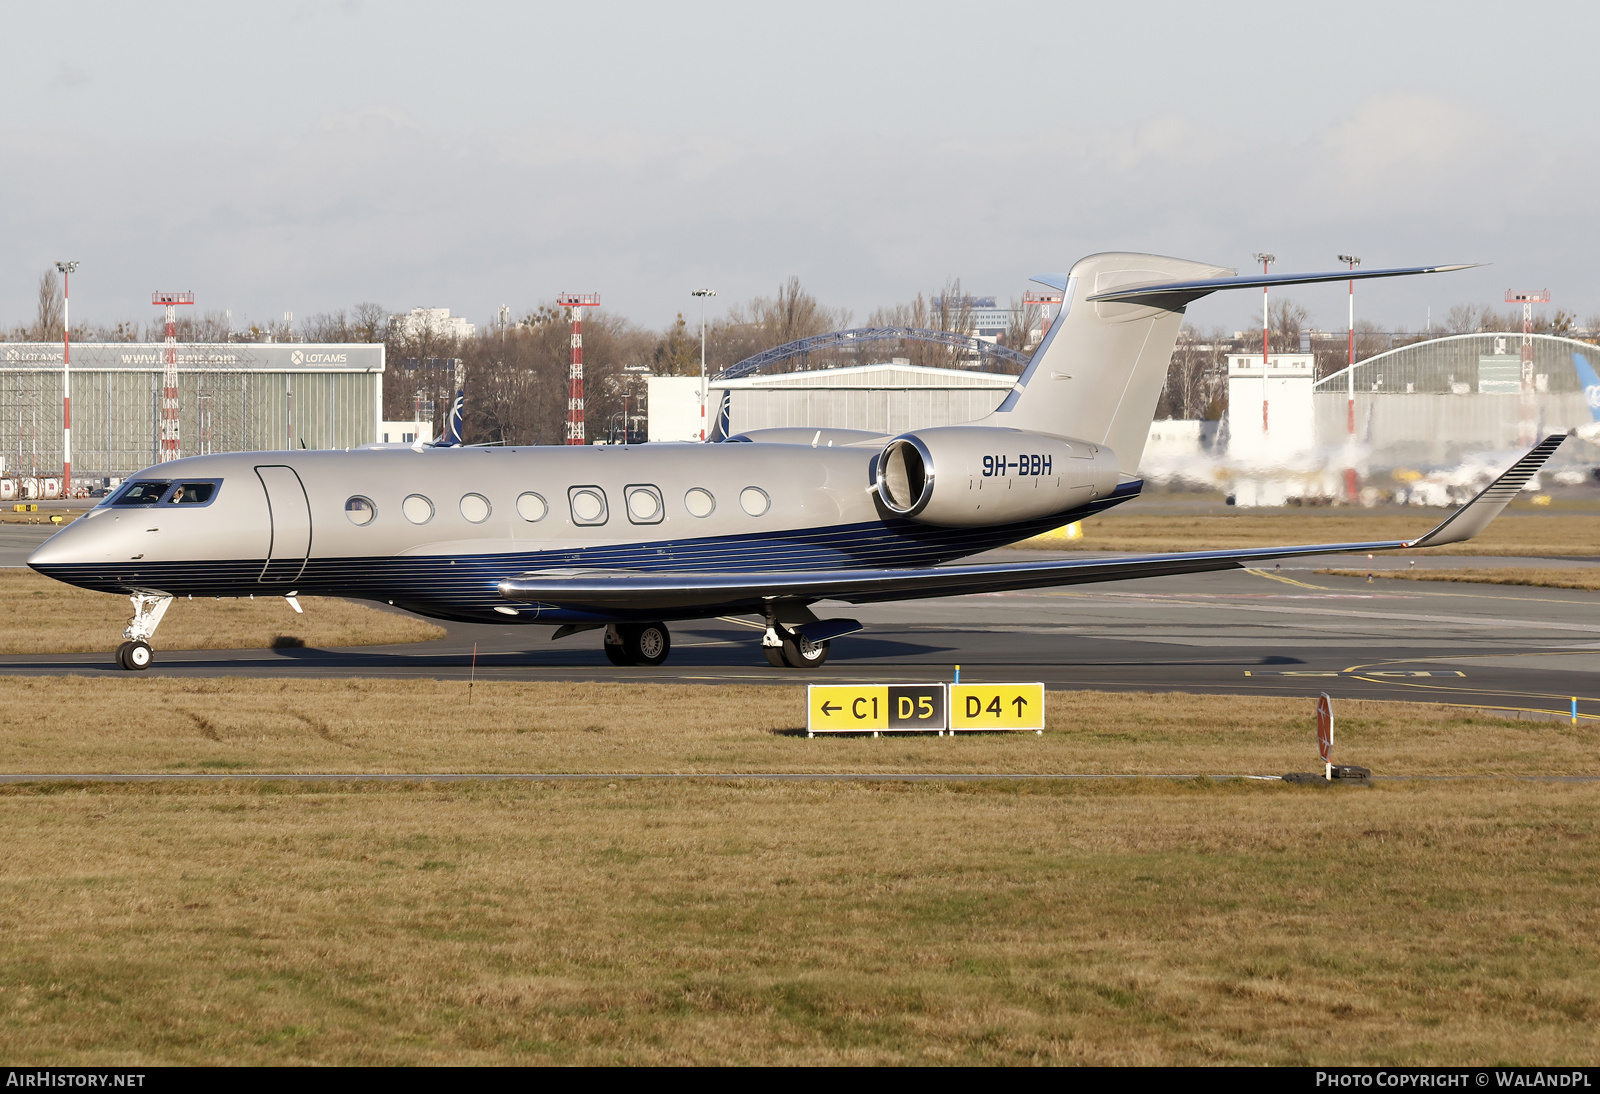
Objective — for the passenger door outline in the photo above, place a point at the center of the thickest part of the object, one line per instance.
(289, 516)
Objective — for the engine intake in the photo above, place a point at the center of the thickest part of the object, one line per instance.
(972, 475)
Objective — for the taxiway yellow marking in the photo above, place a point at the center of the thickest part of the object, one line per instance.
(1285, 580)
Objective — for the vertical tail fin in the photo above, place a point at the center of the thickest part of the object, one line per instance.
(1099, 372)
(452, 425)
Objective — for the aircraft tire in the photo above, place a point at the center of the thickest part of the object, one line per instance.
(775, 656)
(122, 655)
(799, 652)
(646, 643)
(139, 656)
(616, 654)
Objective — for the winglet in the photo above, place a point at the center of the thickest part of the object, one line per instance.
(1475, 516)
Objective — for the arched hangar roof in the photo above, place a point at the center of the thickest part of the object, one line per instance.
(1484, 363)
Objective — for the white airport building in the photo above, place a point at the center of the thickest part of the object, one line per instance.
(884, 398)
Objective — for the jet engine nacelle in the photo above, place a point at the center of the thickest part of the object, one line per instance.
(975, 475)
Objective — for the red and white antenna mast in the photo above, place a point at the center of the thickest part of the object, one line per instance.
(575, 302)
(169, 372)
(1530, 401)
(66, 269)
(1044, 300)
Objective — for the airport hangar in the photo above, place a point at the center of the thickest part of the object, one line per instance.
(232, 397)
(1431, 404)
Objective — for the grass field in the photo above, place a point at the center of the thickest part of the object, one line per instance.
(1142, 921)
(1553, 578)
(1521, 530)
(40, 615)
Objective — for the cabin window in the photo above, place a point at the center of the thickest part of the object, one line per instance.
(418, 509)
(754, 500)
(193, 493)
(644, 504)
(699, 502)
(475, 507)
(588, 505)
(360, 510)
(143, 492)
(532, 508)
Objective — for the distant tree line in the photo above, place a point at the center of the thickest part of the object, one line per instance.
(516, 374)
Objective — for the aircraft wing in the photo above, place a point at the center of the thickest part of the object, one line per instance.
(643, 591)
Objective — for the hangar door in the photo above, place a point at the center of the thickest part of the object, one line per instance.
(291, 524)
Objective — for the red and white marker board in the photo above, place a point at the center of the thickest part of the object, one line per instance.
(1325, 728)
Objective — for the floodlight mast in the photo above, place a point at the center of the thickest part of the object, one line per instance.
(1530, 402)
(705, 393)
(1350, 380)
(575, 302)
(169, 372)
(1266, 260)
(66, 269)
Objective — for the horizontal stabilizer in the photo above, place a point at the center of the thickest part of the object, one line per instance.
(1172, 295)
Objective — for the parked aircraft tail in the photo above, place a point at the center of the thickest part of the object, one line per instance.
(452, 426)
(1098, 374)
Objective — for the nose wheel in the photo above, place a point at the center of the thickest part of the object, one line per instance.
(135, 655)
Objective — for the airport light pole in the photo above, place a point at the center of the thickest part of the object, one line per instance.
(1350, 377)
(704, 395)
(1266, 260)
(66, 269)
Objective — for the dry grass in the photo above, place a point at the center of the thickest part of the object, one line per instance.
(738, 921)
(1511, 575)
(40, 615)
(152, 724)
(1514, 533)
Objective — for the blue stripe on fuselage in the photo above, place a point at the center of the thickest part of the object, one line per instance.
(466, 587)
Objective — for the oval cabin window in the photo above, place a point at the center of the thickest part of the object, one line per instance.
(360, 510)
(699, 502)
(754, 500)
(475, 507)
(588, 505)
(532, 508)
(418, 509)
(644, 505)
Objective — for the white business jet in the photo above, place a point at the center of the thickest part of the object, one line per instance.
(766, 524)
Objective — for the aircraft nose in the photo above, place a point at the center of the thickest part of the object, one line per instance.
(73, 544)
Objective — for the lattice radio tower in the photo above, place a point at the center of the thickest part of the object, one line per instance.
(1530, 399)
(1044, 300)
(169, 372)
(575, 302)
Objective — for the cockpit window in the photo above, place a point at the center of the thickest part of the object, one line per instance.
(143, 492)
(192, 493)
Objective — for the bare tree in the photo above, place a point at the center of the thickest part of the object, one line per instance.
(765, 322)
(1021, 320)
(677, 352)
(1288, 319)
(1197, 374)
(47, 323)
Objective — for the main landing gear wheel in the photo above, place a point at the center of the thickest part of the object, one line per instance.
(640, 644)
(134, 655)
(799, 652)
(795, 651)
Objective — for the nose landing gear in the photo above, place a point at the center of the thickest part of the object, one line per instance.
(135, 653)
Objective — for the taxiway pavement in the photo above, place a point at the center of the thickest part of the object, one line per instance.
(1285, 631)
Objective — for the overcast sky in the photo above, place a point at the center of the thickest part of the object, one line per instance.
(307, 156)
